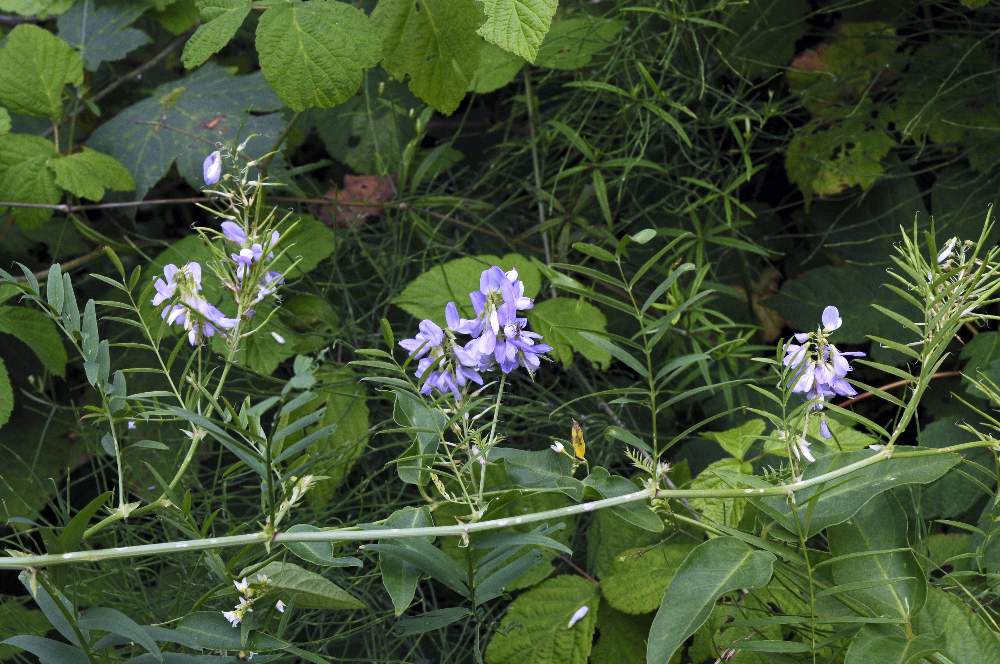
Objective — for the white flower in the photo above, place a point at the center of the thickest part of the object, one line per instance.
(557, 447)
(242, 586)
(578, 616)
(232, 617)
(280, 606)
(801, 449)
(947, 251)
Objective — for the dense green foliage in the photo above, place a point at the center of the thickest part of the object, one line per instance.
(680, 186)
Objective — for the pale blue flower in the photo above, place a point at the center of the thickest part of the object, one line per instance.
(212, 168)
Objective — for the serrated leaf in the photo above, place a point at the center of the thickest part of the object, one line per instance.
(428, 294)
(518, 26)
(24, 177)
(497, 68)
(306, 589)
(434, 43)
(726, 511)
(738, 441)
(621, 638)
(4, 121)
(314, 54)
(638, 577)
(536, 625)
(35, 66)
(561, 322)
(608, 536)
(572, 43)
(37, 331)
(714, 568)
(88, 173)
(224, 18)
(102, 32)
(182, 119)
(38, 8)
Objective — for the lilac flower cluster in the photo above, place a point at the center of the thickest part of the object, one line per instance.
(498, 337)
(181, 290)
(818, 368)
(250, 253)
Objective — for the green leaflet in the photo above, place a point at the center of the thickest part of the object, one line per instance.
(308, 590)
(726, 511)
(518, 26)
(102, 31)
(434, 43)
(35, 66)
(536, 624)
(428, 294)
(88, 173)
(560, 321)
(182, 119)
(639, 576)
(25, 178)
(711, 570)
(37, 331)
(314, 54)
(224, 18)
(399, 577)
(4, 121)
(497, 68)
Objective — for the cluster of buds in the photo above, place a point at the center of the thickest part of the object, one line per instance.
(250, 592)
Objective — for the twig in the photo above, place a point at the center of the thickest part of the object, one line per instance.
(893, 385)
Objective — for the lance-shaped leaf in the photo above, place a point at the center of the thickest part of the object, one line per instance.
(306, 589)
(711, 570)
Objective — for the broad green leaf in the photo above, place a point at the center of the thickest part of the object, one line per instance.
(6, 395)
(608, 536)
(24, 177)
(35, 66)
(306, 589)
(621, 638)
(963, 635)
(737, 441)
(561, 320)
(434, 43)
(4, 121)
(571, 43)
(347, 409)
(116, 622)
(879, 526)
(518, 26)
(497, 68)
(427, 295)
(223, 19)
(539, 470)
(825, 505)
(209, 629)
(399, 577)
(102, 31)
(608, 486)
(36, 331)
(38, 8)
(536, 625)
(314, 54)
(726, 511)
(369, 131)
(954, 493)
(88, 173)
(875, 643)
(48, 651)
(182, 119)
(638, 577)
(801, 301)
(16, 619)
(714, 568)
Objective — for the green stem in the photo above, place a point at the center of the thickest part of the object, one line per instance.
(464, 529)
(491, 440)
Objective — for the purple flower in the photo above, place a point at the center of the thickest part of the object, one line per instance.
(234, 232)
(818, 368)
(497, 302)
(516, 347)
(185, 305)
(212, 168)
(444, 364)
